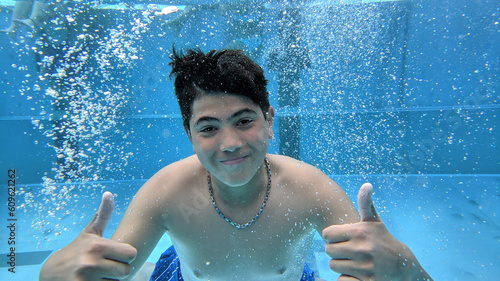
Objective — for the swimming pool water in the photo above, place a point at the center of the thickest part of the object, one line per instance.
(403, 94)
(449, 221)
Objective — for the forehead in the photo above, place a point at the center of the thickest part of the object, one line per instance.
(221, 104)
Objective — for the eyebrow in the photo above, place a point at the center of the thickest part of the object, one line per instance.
(234, 115)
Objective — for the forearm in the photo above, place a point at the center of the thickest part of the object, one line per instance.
(419, 274)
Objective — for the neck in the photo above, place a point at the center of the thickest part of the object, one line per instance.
(242, 195)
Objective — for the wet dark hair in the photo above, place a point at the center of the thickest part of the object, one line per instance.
(227, 71)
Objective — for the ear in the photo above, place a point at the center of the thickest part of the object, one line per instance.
(188, 133)
(269, 119)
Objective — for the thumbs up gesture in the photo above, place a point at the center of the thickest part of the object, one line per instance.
(367, 251)
(90, 256)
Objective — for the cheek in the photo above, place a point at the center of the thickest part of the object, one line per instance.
(201, 145)
(260, 139)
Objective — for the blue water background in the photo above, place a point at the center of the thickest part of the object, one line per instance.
(403, 94)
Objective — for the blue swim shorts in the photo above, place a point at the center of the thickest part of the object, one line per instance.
(168, 268)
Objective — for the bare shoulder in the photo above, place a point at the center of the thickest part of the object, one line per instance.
(171, 181)
(156, 198)
(316, 189)
(293, 170)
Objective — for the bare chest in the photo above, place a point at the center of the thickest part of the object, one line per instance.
(209, 248)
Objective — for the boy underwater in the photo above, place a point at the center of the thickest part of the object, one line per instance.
(232, 211)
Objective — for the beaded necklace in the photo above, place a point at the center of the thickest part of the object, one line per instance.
(237, 225)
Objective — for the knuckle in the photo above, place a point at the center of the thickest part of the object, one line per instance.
(325, 233)
(96, 247)
(131, 252)
(366, 249)
(333, 265)
(330, 249)
(328, 234)
(86, 269)
(359, 232)
(366, 256)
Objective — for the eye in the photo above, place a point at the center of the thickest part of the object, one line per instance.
(208, 129)
(244, 121)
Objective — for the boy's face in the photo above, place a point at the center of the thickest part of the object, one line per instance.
(230, 136)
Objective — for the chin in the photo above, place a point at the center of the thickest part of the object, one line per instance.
(232, 181)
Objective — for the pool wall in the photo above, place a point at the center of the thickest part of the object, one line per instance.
(396, 88)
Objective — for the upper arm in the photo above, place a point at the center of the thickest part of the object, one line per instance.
(331, 202)
(142, 224)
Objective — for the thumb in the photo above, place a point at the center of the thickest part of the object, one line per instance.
(103, 215)
(365, 204)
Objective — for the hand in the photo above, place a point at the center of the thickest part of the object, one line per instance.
(367, 251)
(89, 256)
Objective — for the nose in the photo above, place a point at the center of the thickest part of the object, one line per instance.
(230, 140)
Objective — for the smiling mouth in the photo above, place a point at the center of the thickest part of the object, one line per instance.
(234, 161)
